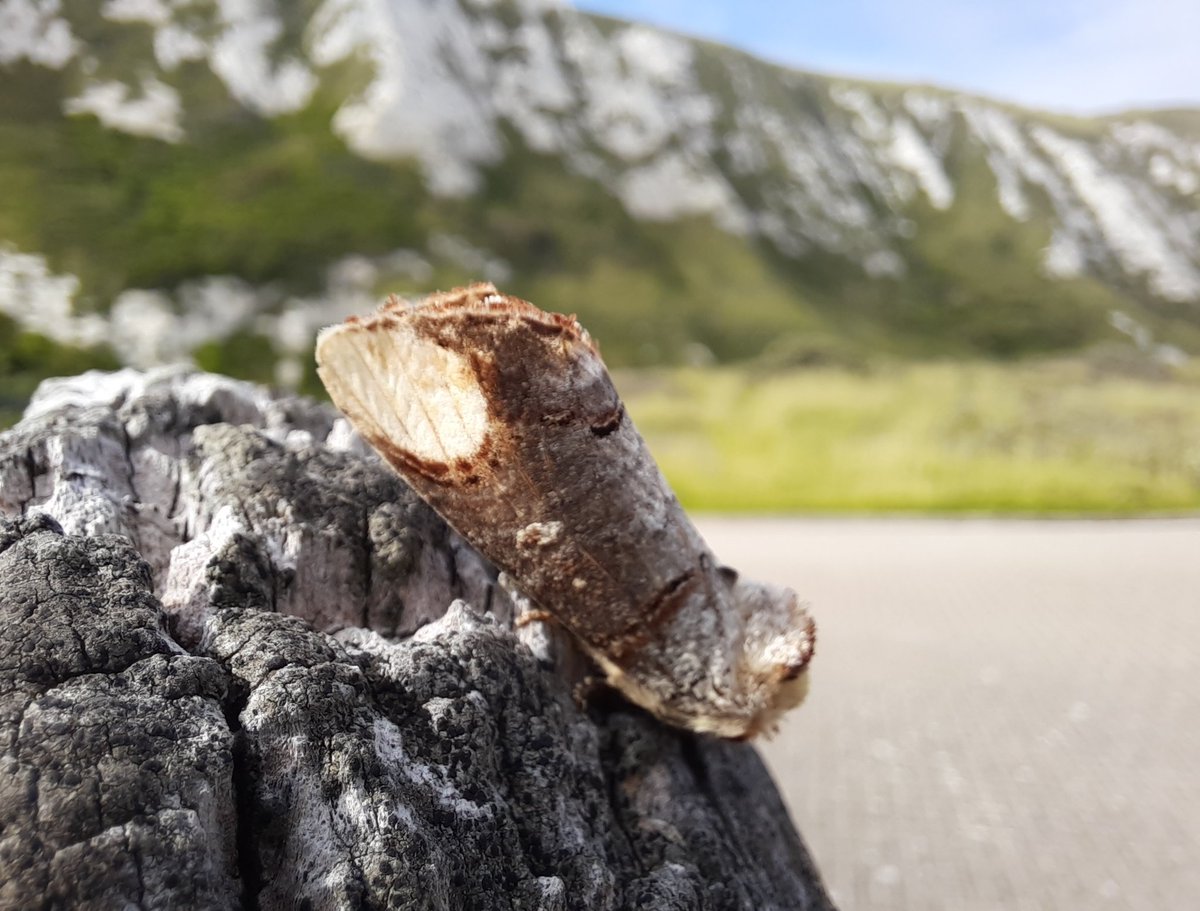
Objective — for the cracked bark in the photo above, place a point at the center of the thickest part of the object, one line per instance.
(300, 689)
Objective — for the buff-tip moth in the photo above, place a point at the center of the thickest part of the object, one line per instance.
(503, 418)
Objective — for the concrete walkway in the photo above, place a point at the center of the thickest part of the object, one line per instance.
(1004, 715)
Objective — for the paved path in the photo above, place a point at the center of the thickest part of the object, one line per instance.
(1004, 715)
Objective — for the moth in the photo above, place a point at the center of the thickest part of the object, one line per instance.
(504, 419)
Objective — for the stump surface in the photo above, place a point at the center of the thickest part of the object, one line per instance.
(243, 666)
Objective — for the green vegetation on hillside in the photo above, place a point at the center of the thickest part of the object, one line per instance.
(276, 201)
(27, 358)
(266, 200)
(971, 414)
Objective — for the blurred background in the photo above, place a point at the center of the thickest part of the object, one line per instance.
(863, 258)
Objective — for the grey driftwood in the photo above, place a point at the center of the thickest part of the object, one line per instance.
(243, 666)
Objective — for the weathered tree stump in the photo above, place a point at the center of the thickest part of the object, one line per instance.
(243, 666)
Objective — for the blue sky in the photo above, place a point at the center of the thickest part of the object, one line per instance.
(1067, 55)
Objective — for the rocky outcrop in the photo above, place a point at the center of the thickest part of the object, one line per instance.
(243, 666)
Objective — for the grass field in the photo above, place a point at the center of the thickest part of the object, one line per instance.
(1053, 437)
(1050, 437)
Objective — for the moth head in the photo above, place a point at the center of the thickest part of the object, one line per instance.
(780, 638)
(416, 401)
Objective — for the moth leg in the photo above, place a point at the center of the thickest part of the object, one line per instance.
(589, 689)
(534, 615)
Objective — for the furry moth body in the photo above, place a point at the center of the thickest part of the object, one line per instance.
(504, 419)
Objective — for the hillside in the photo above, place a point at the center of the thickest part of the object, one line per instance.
(217, 179)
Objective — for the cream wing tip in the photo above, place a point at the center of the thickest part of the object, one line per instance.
(325, 334)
